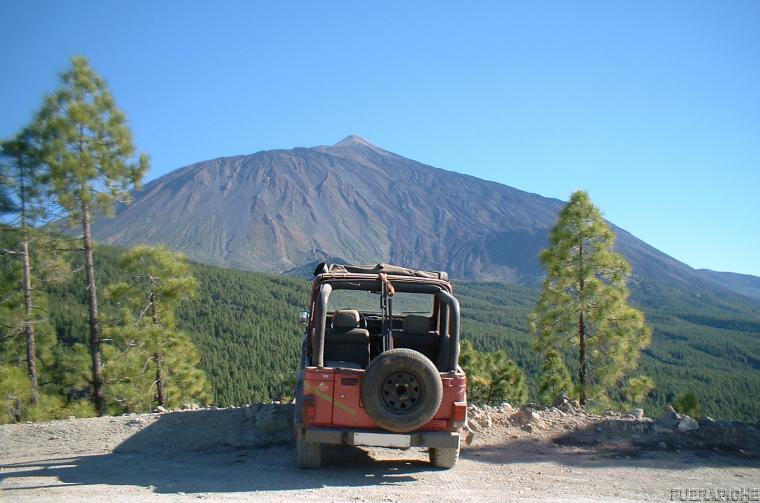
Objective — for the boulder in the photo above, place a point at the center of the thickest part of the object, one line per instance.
(687, 424)
(670, 418)
(484, 421)
(271, 419)
(638, 414)
(561, 400)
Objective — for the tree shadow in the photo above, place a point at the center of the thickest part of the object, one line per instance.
(615, 443)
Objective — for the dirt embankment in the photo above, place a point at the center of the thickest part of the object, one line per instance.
(532, 454)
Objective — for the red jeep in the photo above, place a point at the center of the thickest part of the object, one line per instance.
(379, 363)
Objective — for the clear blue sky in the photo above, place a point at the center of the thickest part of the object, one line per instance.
(654, 107)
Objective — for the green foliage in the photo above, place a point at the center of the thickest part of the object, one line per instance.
(87, 147)
(26, 265)
(6, 201)
(24, 181)
(244, 327)
(688, 403)
(151, 361)
(16, 400)
(554, 378)
(86, 144)
(583, 306)
(638, 388)
(492, 377)
(15, 394)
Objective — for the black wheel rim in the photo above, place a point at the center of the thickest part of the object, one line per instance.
(401, 392)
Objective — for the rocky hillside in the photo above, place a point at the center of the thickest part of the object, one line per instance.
(278, 210)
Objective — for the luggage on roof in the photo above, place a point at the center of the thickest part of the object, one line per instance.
(392, 270)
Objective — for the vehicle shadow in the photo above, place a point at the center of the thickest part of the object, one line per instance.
(211, 452)
(619, 443)
(267, 469)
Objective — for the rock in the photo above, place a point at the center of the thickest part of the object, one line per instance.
(526, 415)
(562, 399)
(270, 419)
(670, 418)
(658, 428)
(687, 424)
(638, 414)
(161, 409)
(469, 435)
(706, 421)
(486, 421)
(528, 427)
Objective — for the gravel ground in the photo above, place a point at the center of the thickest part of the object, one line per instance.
(214, 455)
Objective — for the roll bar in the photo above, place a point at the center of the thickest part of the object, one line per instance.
(450, 320)
(452, 306)
(318, 342)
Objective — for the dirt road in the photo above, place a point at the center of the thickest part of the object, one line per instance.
(198, 456)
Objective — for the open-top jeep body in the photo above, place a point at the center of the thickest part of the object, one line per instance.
(379, 363)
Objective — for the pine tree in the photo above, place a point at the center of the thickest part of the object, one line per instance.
(492, 377)
(688, 403)
(584, 302)
(89, 151)
(24, 191)
(159, 281)
(6, 202)
(554, 378)
(638, 388)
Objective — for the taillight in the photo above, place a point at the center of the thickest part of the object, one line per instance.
(309, 408)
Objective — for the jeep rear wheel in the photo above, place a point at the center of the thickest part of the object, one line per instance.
(308, 454)
(401, 390)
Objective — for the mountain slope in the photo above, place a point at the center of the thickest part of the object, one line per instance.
(277, 210)
(744, 284)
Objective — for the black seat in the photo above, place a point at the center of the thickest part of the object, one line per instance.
(346, 345)
(418, 334)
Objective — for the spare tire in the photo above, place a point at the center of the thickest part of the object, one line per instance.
(401, 390)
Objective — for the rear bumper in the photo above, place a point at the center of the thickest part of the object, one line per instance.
(435, 439)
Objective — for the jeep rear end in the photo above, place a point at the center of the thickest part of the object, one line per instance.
(372, 375)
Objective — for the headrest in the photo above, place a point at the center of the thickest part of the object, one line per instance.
(416, 324)
(345, 318)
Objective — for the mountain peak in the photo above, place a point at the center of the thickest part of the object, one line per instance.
(353, 140)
